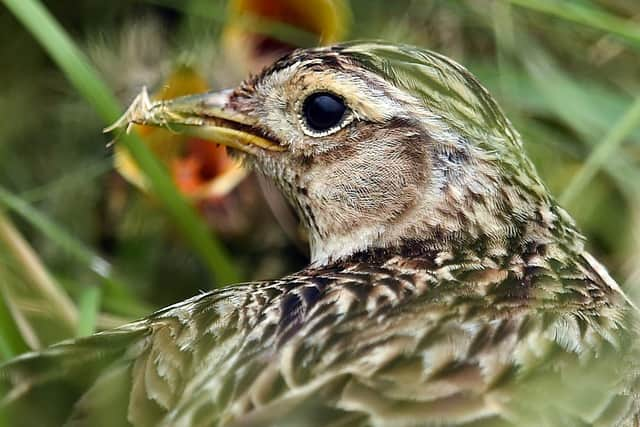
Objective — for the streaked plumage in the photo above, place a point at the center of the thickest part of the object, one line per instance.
(446, 286)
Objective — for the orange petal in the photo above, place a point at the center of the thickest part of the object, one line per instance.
(198, 167)
(326, 19)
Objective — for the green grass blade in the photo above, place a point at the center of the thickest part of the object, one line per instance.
(611, 142)
(33, 269)
(11, 342)
(126, 303)
(88, 309)
(76, 177)
(581, 14)
(84, 77)
(69, 244)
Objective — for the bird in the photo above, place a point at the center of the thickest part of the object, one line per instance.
(446, 286)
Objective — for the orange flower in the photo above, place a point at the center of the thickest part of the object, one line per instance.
(200, 169)
(260, 30)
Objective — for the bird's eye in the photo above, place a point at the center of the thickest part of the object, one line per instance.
(323, 112)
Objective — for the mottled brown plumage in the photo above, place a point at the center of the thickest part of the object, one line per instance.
(446, 285)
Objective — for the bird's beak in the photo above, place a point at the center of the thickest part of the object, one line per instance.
(206, 116)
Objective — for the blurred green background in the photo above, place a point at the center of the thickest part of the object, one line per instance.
(82, 248)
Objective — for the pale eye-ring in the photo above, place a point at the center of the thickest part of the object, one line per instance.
(323, 113)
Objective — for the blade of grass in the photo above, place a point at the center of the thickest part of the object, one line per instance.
(73, 178)
(602, 152)
(587, 108)
(88, 309)
(545, 89)
(36, 273)
(126, 303)
(4, 419)
(505, 42)
(11, 342)
(69, 244)
(27, 330)
(85, 78)
(580, 14)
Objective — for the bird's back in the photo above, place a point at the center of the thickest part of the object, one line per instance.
(405, 338)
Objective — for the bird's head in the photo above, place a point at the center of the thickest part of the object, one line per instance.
(376, 145)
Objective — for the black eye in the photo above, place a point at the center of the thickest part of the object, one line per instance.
(323, 111)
